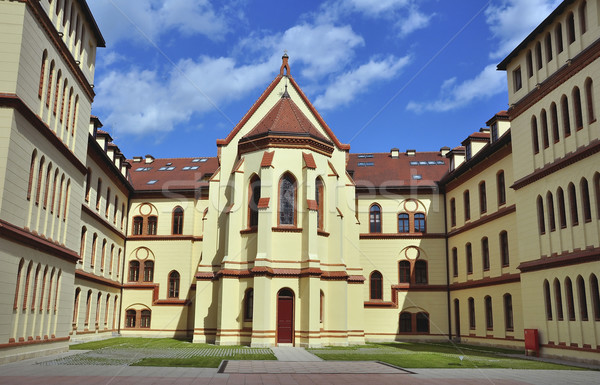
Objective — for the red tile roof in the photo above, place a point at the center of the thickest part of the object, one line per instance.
(398, 172)
(309, 161)
(267, 159)
(176, 179)
(285, 118)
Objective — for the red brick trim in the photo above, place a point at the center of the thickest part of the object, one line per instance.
(402, 236)
(575, 257)
(311, 204)
(418, 287)
(198, 193)
(102, 221)
(483, 220)
(282, 229)
(62, 48)
(276, 141)
(170, 237)
(567, 71)
(562, 345)
(263, 203)
(356, 279)
(237, 166)
(155, 300)
(309, 161)
(32, 342)
(205, 275)
(267, 159)
(96, 279)
(15, 102)
(322, 233)
(592, 148)
(333, 172)
(503, 279)
(24, 237)
(252, 230)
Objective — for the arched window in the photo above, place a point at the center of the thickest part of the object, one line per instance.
(597, 190)
(457, 317)
(138, 224)
(558, 299)
(420, 271)
(403, 223)
(585, 200)
(45, 275)
(564, 106)
(287, 200)
(82, 244)
(123, 215)
(93, 256)
(39, 181)
(485, 253)
(35, 285)
(529, 61)
(570, 28)
(595, 294)
(540, 212)
(375, 219)
(577, 108)
(31, 174)
(376, 285)
(178, 220)
(538, 55)
(548, 44)
(583, 17)
(321, 306)
(107, 210)
(60, 194)
(489, 315)
(17, 286)
(88, 305)
(583, 310)
(452, 212)
(134, 271)
(550, 205)
(66, 205)
(419, 222)
(254, 191)
(469, 258)
(145, 319)
(547, 300)
(320, 198)
(174, 284)
(405, 322)
(98, 300)
(148, 271)
(508, 312)
(467, 203)
(558, 38)
(118, 262)
(98, 193)
(130, 316)
(112, 258)
(545, 136)
(504, 250)
(589, 99)
(42, 73)
(472, 318)
(500, 182)
(554, 122)
(76, 305)
(422, 322)
(562, 214)
(482, 198)
(64, 96)
(106, 309)
(570, 300)
(115, 310)
(57, 91)
(103, 255)
(454, 262)
(50, 290)
(249, 305)
(54, 191)
(152, 223)
(573, 205)
(47, 188)
(404, 269)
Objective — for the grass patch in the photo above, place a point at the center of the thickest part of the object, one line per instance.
(442, 355)
(141, 342)
(200, 362)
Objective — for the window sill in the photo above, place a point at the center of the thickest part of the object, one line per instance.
(284, 229)
(251, 230)
(322, 233)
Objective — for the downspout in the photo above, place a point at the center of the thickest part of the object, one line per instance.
(447, 268)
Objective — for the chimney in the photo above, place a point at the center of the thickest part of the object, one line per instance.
(394, 153)
(411, 152)
(444, 150)
(149, 159)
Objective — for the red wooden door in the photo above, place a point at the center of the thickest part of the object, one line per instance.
(285, 318)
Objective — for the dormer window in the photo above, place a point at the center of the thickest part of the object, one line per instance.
(468, 151)
(494, 130)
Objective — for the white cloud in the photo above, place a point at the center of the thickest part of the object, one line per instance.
(123, 19)
(354, 82)
(415, 20)
(146, 102)
(487, 83)
(512, 20)
(321, 49)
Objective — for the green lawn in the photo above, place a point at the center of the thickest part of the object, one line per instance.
(141, 342)
(439, 355)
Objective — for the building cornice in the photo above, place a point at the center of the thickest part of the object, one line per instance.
(100, 157)
(15, 102)
(102, 221)
(488, 281)
(96, 279)
(574, 257)
(483, 220)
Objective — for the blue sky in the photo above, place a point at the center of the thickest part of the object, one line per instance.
(176, 75)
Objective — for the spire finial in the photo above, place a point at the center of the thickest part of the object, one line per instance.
(285, 67)
(285, 94)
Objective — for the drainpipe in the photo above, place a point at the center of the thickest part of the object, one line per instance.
(447, 269)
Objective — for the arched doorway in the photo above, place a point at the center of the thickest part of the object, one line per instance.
(285, 316)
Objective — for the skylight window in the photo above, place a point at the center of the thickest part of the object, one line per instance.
(190, 168)
(417, 177)
(414, 163)
(431, 162)
(365, 155)
(365, 164)
(186, 168)
(199, 160)
(143, 169)
(422, 163)
(167, 168)
(194, 168)
(439, 162)
(152, 181)
(168, 164)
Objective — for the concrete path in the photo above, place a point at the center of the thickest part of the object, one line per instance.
(294, 354)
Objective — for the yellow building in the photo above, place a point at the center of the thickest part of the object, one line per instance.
(285, 237)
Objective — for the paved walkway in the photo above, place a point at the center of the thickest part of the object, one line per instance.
(277, 372)
(294, 354)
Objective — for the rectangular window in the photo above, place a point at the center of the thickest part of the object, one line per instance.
(517, 81)
(452, 212)
(482, 198)
(467, 202)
